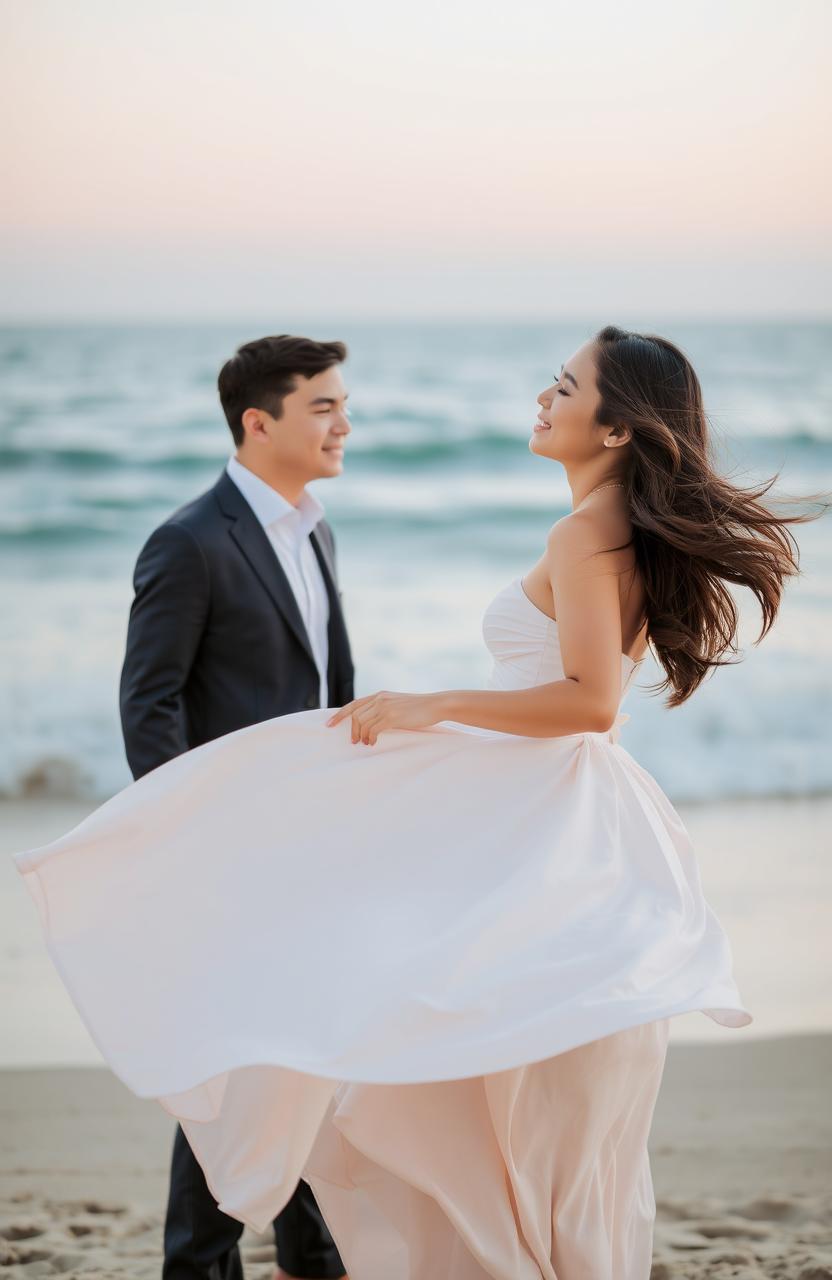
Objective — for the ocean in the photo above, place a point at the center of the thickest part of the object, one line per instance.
(106, 429)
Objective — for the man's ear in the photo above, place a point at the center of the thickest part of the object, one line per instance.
(253, 423)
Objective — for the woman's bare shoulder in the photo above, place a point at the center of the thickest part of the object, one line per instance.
(592, 540)
(590, 530)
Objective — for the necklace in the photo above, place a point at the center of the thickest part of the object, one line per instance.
(609, 485)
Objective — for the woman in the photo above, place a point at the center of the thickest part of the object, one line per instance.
(508, 909)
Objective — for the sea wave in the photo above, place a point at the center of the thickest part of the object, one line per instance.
(104, 431)
(429, 450)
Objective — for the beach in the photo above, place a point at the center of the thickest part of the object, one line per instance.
(741, 1144)
(740, 1151)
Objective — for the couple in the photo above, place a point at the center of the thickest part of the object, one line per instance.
(403, 966)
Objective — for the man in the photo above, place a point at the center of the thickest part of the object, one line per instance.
(236, 619)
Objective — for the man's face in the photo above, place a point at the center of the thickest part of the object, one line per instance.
(307, 440)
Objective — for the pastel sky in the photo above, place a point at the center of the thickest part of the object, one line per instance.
(192, 158)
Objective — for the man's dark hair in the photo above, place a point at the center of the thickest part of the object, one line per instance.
(262, 372)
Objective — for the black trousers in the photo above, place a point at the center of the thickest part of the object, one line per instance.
(201, 1240)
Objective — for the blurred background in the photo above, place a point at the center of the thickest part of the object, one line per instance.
(463, 194)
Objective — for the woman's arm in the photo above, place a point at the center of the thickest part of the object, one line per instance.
(584, 580)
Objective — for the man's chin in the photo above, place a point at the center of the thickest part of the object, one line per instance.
(332, 461)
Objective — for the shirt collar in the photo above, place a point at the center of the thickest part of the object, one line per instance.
(270, 506)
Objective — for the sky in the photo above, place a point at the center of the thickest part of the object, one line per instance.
(183, 160)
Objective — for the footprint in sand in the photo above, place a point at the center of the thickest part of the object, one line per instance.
(65, 1208)
(67, 1261)
(21, 1231)
(100, 1206)
(23, 1255)
(140, 1227)
(768, 1208)
(684, 1240)
(733, 1258)
(732, 1229)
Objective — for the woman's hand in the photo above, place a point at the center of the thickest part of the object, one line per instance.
(379, 711)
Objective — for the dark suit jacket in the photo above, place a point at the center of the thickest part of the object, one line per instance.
(215, 640)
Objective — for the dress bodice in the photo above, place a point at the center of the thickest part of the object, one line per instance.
(524, 643)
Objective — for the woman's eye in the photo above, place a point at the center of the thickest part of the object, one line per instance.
(561, 392)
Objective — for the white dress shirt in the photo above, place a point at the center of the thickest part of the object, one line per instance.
(288, 528)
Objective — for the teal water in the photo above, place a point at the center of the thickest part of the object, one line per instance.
(105, 430)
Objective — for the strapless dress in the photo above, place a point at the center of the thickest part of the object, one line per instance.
(433, 977)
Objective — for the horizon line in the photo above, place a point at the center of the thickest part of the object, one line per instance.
(386, 317)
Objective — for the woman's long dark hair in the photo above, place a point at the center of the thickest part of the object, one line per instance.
(693, 530)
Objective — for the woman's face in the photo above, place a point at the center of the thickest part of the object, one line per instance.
(566, 429)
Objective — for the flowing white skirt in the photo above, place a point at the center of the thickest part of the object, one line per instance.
(432, 976)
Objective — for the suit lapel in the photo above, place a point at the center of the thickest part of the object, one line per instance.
(252, 540)
(321, 549)
(339, 645)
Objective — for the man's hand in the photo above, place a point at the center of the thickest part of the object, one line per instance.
(384, 710)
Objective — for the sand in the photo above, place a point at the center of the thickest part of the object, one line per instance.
(740, 1150)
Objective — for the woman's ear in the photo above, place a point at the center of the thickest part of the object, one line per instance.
(621, 435)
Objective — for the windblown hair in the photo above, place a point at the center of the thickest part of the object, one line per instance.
(261, 373)
(694, 531)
